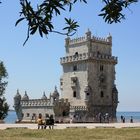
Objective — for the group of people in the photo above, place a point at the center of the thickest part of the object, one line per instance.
(123, 119)
(102, 118)
(49, 121)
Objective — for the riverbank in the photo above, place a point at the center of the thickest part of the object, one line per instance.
(74, 125)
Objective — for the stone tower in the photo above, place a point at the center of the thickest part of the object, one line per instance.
(88, 79)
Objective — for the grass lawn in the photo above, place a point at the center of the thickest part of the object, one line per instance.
(71, 134)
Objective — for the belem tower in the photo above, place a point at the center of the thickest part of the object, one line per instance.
(88, 90)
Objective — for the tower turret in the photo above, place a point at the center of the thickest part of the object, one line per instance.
(88, 34)
(17, 106)
(55, 94)
(25, 97)
(44, 97)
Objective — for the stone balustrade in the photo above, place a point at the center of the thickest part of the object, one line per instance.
(35, 102)
(78, 107)
(86, 56)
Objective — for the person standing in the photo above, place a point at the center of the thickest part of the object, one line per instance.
(40, 121)
(131, 119)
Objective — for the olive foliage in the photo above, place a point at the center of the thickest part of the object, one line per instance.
(39, 18)
(3, 104)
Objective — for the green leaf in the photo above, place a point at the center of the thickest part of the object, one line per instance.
(44, 30)
(84, 1)
(19, 21)
(65, 28)
(33, 30)
(40, 32)
(102, 14)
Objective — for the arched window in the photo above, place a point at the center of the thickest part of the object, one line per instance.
(28, 115)
(76, 54)
(87, 95)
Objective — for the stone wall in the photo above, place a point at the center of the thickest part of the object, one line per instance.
(95, 71)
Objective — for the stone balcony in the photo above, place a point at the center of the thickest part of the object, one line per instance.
(88, 56)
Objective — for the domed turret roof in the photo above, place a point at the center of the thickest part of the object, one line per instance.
(25, 97)
(44, 96)
(17, 95)
(55, 93)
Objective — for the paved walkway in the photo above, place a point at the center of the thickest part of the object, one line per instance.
(75, 125)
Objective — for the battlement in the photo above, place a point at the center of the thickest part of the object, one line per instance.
(35, 102)
(87, 37)
(102, 40)
(86, 56)
(77, 40)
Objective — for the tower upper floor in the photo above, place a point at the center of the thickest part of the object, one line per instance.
(89, 43)
(88, 47)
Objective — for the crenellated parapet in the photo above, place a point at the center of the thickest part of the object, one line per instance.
(107, 40)
(77, 40)
(88, 37)
(86, 56)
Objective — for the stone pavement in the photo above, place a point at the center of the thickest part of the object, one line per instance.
(74, 125)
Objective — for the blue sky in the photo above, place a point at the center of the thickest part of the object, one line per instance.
(36, 68)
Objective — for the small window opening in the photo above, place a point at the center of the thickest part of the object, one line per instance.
(61, 83)
(74, 93)
(101, 67)
(102, 94)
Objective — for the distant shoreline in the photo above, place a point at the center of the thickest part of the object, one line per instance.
(11, 110)
(12, 117)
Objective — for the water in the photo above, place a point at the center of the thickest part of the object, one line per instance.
(127, 115)
(11, 118)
